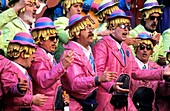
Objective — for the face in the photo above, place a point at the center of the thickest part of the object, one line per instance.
(152, 21)
(143, 52)
(121, 32)
(75, 9)
(50, 44)
(29, 60)
(30, 12)
(86, 36)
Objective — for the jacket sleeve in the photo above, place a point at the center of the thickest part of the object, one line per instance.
(166, 40)
(9, 81)
(7, 16)
(78, 76)
(43, 75)
(147, 74)
(100, 52)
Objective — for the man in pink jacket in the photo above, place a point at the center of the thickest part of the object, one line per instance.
(143, 92)
(111, 52)
(16, 82)
(44, 70)
(81, 80)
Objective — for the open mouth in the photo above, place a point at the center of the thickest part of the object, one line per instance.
(144, 54)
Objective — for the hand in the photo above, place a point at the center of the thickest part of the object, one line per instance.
(21, 4)
(132, 41)
(107, 76)
(161, 60)
(117, 87)
(66, 97)
(39, 99)
(166, 71)
(22, 86)
(156, 38)
(67, 59)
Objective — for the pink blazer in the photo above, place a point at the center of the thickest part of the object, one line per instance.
(108, 55)
(45, 78)
(79, 78)
(154, 84)
(13, 99)
(5, 65)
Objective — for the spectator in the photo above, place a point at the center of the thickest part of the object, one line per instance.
(151, 14)
(71, 7)
(16, 82)
(105, 9)
(17, 23)
(81, 80)
(143, 92)
(112, 52)
(44, 70)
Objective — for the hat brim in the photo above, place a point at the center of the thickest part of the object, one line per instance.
(128, 17)
(147, 8)
(43, 27)
(83, 18)
(107, 7)
(22, 43)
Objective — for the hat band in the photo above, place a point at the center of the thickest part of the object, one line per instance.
(24, 39)
(105, 5)
(76, 19)
(144, 36)
(44, 24)
(151, 4)
(117, 14)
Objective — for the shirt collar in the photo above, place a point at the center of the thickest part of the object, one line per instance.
(20, 67)
(141, 64)
(87, 52)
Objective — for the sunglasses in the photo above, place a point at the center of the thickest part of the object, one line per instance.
(52, 38)
(123, 26)
(153, 17)
(142, 47)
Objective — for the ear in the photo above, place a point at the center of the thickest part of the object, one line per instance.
(152, 52)
(41, 41)
(22, 55)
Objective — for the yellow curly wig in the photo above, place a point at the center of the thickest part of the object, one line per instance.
(67, 3)
(117, 21)
(75, 30)
(147, 13)
(14, 50)
(101, 16)
(43, 33)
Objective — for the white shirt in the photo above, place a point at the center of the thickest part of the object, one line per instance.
(141, 64)
(25, 25)
(87, 52)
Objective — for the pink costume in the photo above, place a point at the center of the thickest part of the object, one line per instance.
(107, 54)
(13, 99)
(135, 84)
(45, 77)
(79, 81)
(5, 65)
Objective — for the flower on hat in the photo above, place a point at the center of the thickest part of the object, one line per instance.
(117, 17)
(106, 7)
(150, 7)
(44, 27)
(22, 42)
(78, 22)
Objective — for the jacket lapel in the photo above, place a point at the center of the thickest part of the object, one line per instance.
(84, 59)
(114, 49)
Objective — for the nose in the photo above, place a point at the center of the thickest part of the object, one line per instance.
(79, 8)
